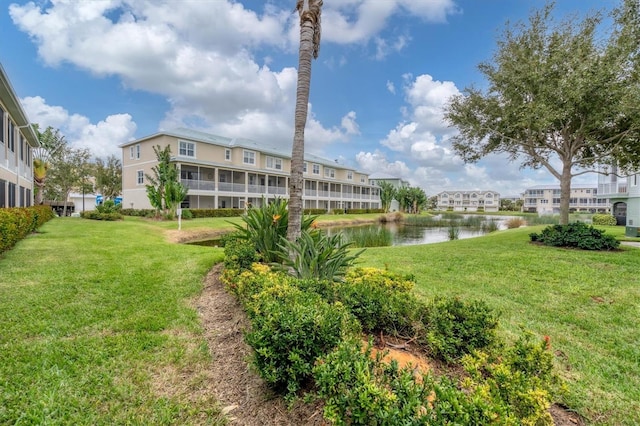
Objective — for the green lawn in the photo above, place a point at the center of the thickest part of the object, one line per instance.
(588, 303)
(96, 327)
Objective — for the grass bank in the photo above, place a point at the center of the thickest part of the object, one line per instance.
(587, 303)
(96, 327)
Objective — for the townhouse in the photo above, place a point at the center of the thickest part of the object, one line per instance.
(469, 201)
(623, 194)
(545, 199)
(17, 141)
(223, 172)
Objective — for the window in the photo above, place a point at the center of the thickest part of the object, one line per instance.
(362, 179)
(140, 177)
(329, 172)
(634, 182)
(1, 125)
(489, 195)
(187, 149)
(304, 167)
(134, 152)
(349, 175)
(316, 169)
(227, 154)
(274, 163)
(12, 145)
(445, 196)
(21, 152)
(249, 157)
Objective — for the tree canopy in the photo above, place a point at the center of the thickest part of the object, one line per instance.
(388, 193)
(559, 96)
(108, 177)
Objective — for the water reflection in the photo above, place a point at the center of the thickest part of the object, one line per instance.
(405, 235)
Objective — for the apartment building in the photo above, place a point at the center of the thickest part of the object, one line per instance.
(545, 199)
(469, 201)
(623, 195)
(223, 172)
(17, 140)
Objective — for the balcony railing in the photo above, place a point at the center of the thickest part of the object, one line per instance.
(199, 185)
(612, 188)
(231, 187)
(278, 190)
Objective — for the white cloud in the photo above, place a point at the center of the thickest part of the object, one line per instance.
(102, 138)
(200, 56)
(391, 87)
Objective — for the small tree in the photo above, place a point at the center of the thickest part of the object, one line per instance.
(165, 191)
(69, 168)
(388, 193)
(108, 174)
(51, 142)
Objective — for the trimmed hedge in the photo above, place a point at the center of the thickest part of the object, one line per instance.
(17, 223)
(604, 220)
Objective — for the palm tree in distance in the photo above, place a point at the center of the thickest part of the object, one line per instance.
(309, 11)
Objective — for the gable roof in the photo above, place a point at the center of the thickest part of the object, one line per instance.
(14, 108)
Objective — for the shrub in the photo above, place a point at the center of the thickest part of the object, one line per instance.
(96, 215)
(521, 380)
(138, 212)
(317, 256)
(604, 220)
(200, 213)
(186, 214)
(515, 222)
(108, 210)
(239, 253)
(575, 235)
(292, 330)
(455, 327)
(17, 223)
(359, 389)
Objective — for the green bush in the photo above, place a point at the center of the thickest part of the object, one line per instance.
(291, 331)
(138, 212)
(381, 300)
(239, 253)
(358, 388)
(108, 210)
(604, 220)
(200, 213)
(96, 215)
(317, 256)
(520, 380)
(455, 327)
(575, 235)
(17, 223)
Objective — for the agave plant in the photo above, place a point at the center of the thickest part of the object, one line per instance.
(266, 226)
(318, 256)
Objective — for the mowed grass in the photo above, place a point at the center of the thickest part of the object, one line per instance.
(96, 327)
(588, 303)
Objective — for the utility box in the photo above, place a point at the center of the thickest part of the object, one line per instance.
(632, 231)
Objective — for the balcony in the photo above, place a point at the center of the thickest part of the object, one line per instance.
(609, 189)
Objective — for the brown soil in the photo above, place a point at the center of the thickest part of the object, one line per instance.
(241, 392)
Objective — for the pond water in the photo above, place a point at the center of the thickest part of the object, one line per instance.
(405, 235)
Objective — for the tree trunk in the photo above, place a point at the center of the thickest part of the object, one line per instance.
(565, 193)
(297, 153)
(39, 193)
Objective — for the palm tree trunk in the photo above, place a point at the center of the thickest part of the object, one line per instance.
(309, 11)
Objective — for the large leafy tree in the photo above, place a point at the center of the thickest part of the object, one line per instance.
(51, 143)
(68, 172)
(388, 193)
(563, 96)
(309, 11)
(108, 177)
(165, 190)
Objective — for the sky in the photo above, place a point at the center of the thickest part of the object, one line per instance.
(106, 72)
